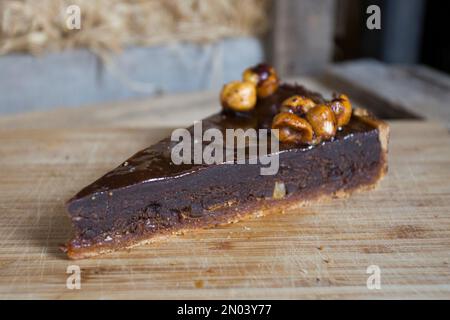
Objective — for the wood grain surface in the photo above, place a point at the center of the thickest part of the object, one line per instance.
(320, 251)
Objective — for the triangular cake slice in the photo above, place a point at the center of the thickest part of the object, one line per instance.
(148, 197)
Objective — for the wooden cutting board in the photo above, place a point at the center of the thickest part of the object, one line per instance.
(321, 251)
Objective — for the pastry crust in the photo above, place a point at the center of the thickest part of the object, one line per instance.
(256, 209)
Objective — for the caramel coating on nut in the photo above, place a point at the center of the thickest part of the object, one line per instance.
(250, 76)
(264, 77)
(238, 96)
(268, 86)
(292, 128)
(323, 121)
(297, 104)
(342, 109)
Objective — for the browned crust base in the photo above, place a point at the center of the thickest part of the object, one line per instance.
(257, 209)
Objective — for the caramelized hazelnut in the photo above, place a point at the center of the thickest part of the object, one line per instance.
(297, 104)
(264, 77)
(238, 96)
(250, 76)
(342, 109)
(292, 128)
(323, 121)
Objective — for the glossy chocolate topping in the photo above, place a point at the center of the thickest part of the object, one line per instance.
(154, 163)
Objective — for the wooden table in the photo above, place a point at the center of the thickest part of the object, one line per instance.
(321, 251)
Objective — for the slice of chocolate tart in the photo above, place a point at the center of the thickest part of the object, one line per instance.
(148, 197)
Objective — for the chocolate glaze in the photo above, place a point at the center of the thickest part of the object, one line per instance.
(154, 162)
(148, 193)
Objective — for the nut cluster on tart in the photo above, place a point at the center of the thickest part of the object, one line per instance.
(299, 120)
(259, 81)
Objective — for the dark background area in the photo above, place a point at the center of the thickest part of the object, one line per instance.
(412, 32)
(435, 49)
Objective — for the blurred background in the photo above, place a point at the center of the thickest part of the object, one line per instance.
(137, 49)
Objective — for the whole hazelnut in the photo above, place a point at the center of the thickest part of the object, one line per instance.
(264, 77)
(342, 109)
(238, 96)
(292, 128)
(297, 104)
(323, 121)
